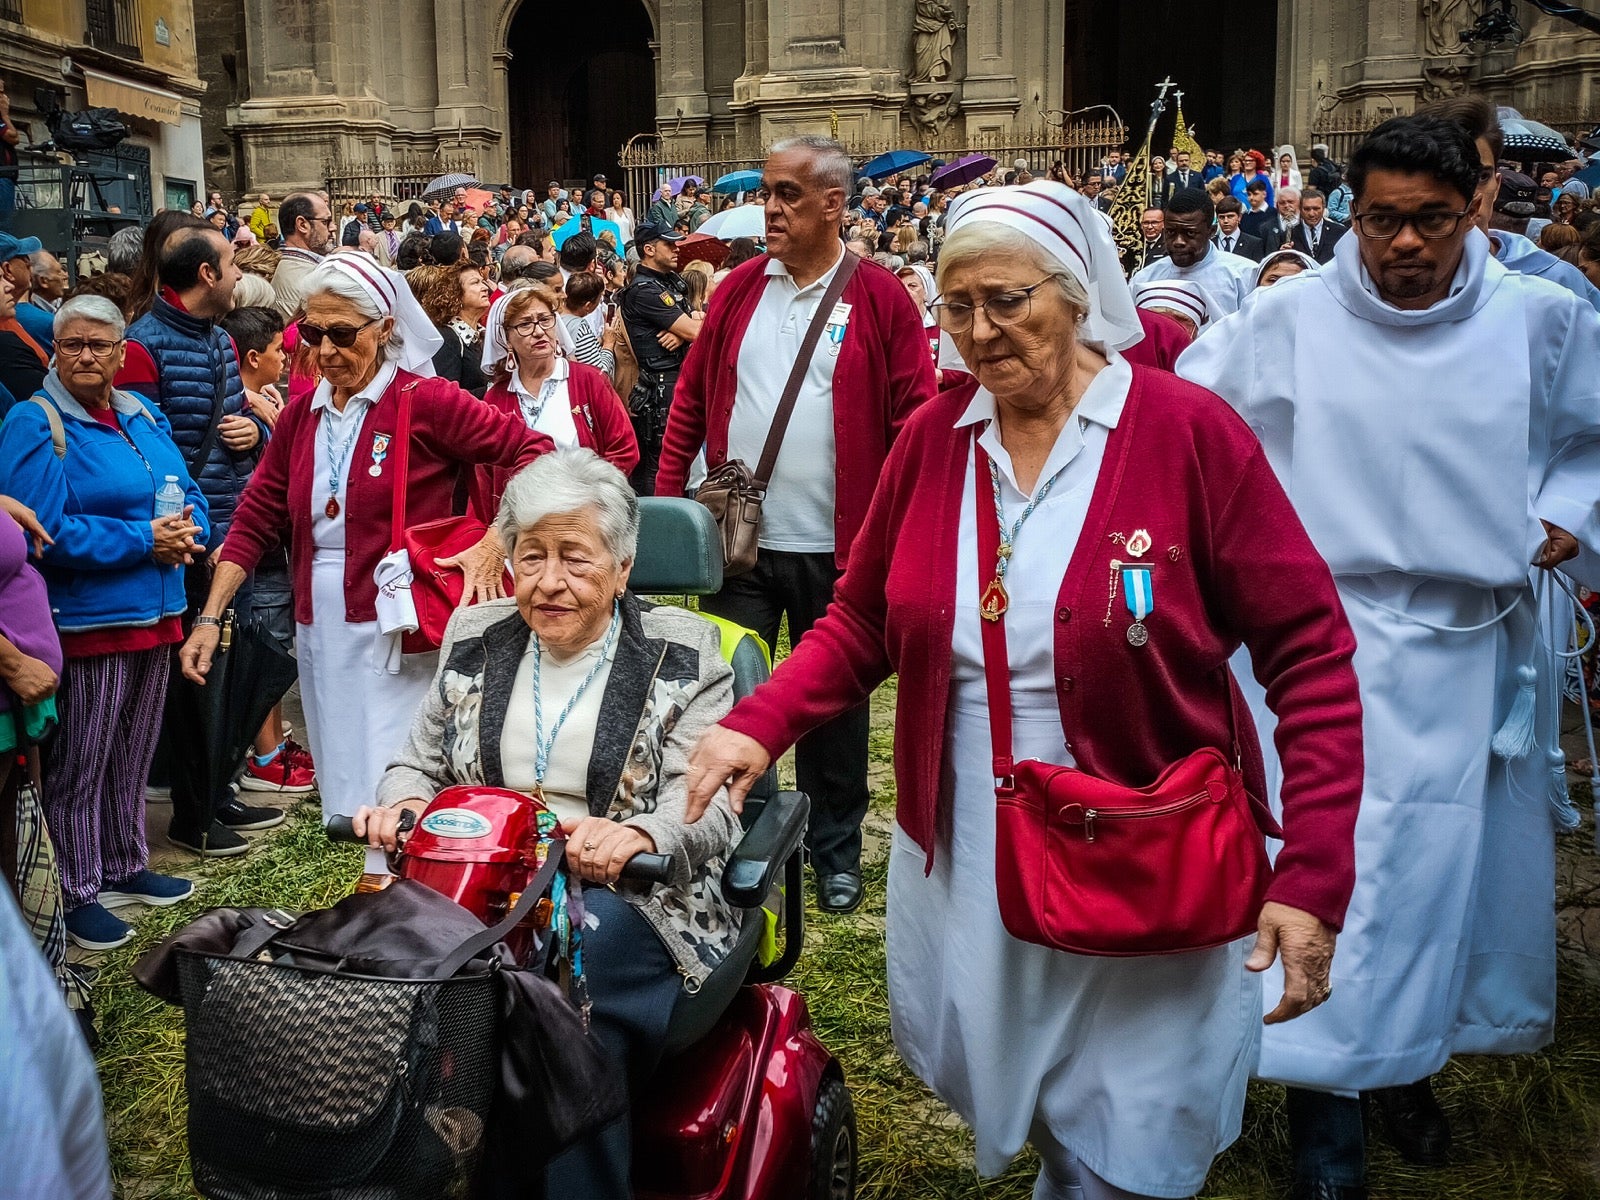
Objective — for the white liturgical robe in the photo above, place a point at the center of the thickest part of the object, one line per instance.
(1226, 278)
(1421, 449)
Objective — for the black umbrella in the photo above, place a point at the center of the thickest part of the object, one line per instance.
(1528, 141)
(249, 674)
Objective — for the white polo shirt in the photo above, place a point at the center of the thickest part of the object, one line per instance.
(798, 513)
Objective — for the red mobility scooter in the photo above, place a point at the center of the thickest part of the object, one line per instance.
(747, 1103)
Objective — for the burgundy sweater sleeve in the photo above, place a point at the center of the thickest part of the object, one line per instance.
(686, 418)
(1275, 590)
(466, 429)
(912, 381)
(613, 431)
(844, 656)
(263, 510)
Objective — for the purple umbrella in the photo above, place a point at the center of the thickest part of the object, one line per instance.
(964, 170)
(677, 185)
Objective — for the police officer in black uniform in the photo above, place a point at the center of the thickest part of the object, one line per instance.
(655, 313)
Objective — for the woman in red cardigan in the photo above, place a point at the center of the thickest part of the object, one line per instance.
(1127, 1074)
(571, 404)
(328, 478)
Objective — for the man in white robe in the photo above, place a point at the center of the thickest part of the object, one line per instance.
(1189, 223)
(1434, 419)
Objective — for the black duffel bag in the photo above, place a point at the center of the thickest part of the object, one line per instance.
(373, 1049)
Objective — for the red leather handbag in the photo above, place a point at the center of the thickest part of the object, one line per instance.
(435, 590)
(1093, 867)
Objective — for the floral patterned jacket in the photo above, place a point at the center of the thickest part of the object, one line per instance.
(668, 683)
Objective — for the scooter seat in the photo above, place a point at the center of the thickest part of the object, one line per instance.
(697, 1013)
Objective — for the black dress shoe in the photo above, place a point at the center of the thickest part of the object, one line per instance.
(839, 893)
(1414, 1122)
(1321, 1189)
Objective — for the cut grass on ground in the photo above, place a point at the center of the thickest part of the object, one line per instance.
(1526, 1127)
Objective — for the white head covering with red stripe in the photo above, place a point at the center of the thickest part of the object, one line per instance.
(388, 290)
(1175, 295)
(1070, 230)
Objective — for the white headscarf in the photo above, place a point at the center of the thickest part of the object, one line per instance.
(1071, 230)
(930, 289)
(1176, 295)
(495, 345)
(419, 340)
(1305, 260)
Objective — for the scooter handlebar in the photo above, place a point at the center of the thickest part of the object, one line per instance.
(648, 868)
(340, 829)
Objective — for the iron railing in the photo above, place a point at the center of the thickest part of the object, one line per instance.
(11, 10)
(1080, 146)
(398, 179)
(113, 25)
(1344, 131)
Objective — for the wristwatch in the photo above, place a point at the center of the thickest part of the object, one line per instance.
(205, 620)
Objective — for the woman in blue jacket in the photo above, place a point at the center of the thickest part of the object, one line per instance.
(89, 459)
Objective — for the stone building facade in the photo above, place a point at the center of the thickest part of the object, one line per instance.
(530, 91)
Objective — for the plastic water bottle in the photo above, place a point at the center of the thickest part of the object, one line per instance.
(169, 499)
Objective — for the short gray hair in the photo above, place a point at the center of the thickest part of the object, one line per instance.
(124, 250)
(96, 309)
(977, 238)
(830, 162)
(569, 481)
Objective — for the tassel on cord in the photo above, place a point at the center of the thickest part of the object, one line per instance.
(1515, 737)
(1566, 813)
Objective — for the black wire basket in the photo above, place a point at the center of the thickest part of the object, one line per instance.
(309, 1084)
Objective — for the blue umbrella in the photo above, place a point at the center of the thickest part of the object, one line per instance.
(737, 181)
(567, 228)
(895, 160)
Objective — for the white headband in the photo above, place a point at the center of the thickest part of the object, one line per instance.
(1176, 295)
(419, 340)
(1071, 229)
(495, 346)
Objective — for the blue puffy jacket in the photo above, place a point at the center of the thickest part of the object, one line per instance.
(194, 360)
(98, 503)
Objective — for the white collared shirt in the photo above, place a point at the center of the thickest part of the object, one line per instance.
(332, 428)
(798, 515)
(554, 420)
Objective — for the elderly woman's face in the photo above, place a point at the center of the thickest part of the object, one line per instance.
(914, 285)
(1032, 357)
(346, 366)
(88, 357)
(532, 334)
(567, 579)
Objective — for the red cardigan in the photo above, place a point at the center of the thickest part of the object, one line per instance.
(451, 431)
(603, 426)
(1231, 562)
(882, 375)
(1164, 339)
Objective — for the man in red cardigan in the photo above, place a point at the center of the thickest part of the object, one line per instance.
(865, 379)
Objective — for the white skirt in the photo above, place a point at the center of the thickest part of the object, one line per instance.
(356, 720)
(1138, 1066)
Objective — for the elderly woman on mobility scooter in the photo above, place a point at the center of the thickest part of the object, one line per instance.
(577, 694)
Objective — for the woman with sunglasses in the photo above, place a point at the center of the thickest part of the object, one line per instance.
(89, 460)
(536, 382)
(328, 477)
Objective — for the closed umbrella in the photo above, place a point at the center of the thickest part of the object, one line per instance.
(747, 220)
(964, 170)
(446, 185)
(895, 160)
(249, 674)
(735, 182)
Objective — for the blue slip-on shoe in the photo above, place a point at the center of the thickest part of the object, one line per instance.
(147, 888)
(95, 928)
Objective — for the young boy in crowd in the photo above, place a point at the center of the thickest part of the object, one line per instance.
(277, 764)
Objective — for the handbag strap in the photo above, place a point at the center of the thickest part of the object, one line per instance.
(479, 942)
(996, 659)
(402, 464)
(802, 364)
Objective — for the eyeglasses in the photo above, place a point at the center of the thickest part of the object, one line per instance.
(342, 336)
(1383, 227)
(525, 328)
(102, 348)
(327, 220)
(1008, 308)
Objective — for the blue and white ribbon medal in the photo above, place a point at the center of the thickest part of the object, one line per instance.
(1139, 596)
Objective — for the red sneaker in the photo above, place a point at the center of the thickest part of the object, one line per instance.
(298, 754)
(283, 775)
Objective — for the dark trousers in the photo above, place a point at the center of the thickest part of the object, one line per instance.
(648, 405)
(830, 761)
(1326, 1137)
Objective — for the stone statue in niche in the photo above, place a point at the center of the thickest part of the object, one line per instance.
(930, 108)
(933, 42)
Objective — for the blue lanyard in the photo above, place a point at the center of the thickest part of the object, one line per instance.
(336, 465)
(532, 411)
(1008, 540)
(542, 746)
